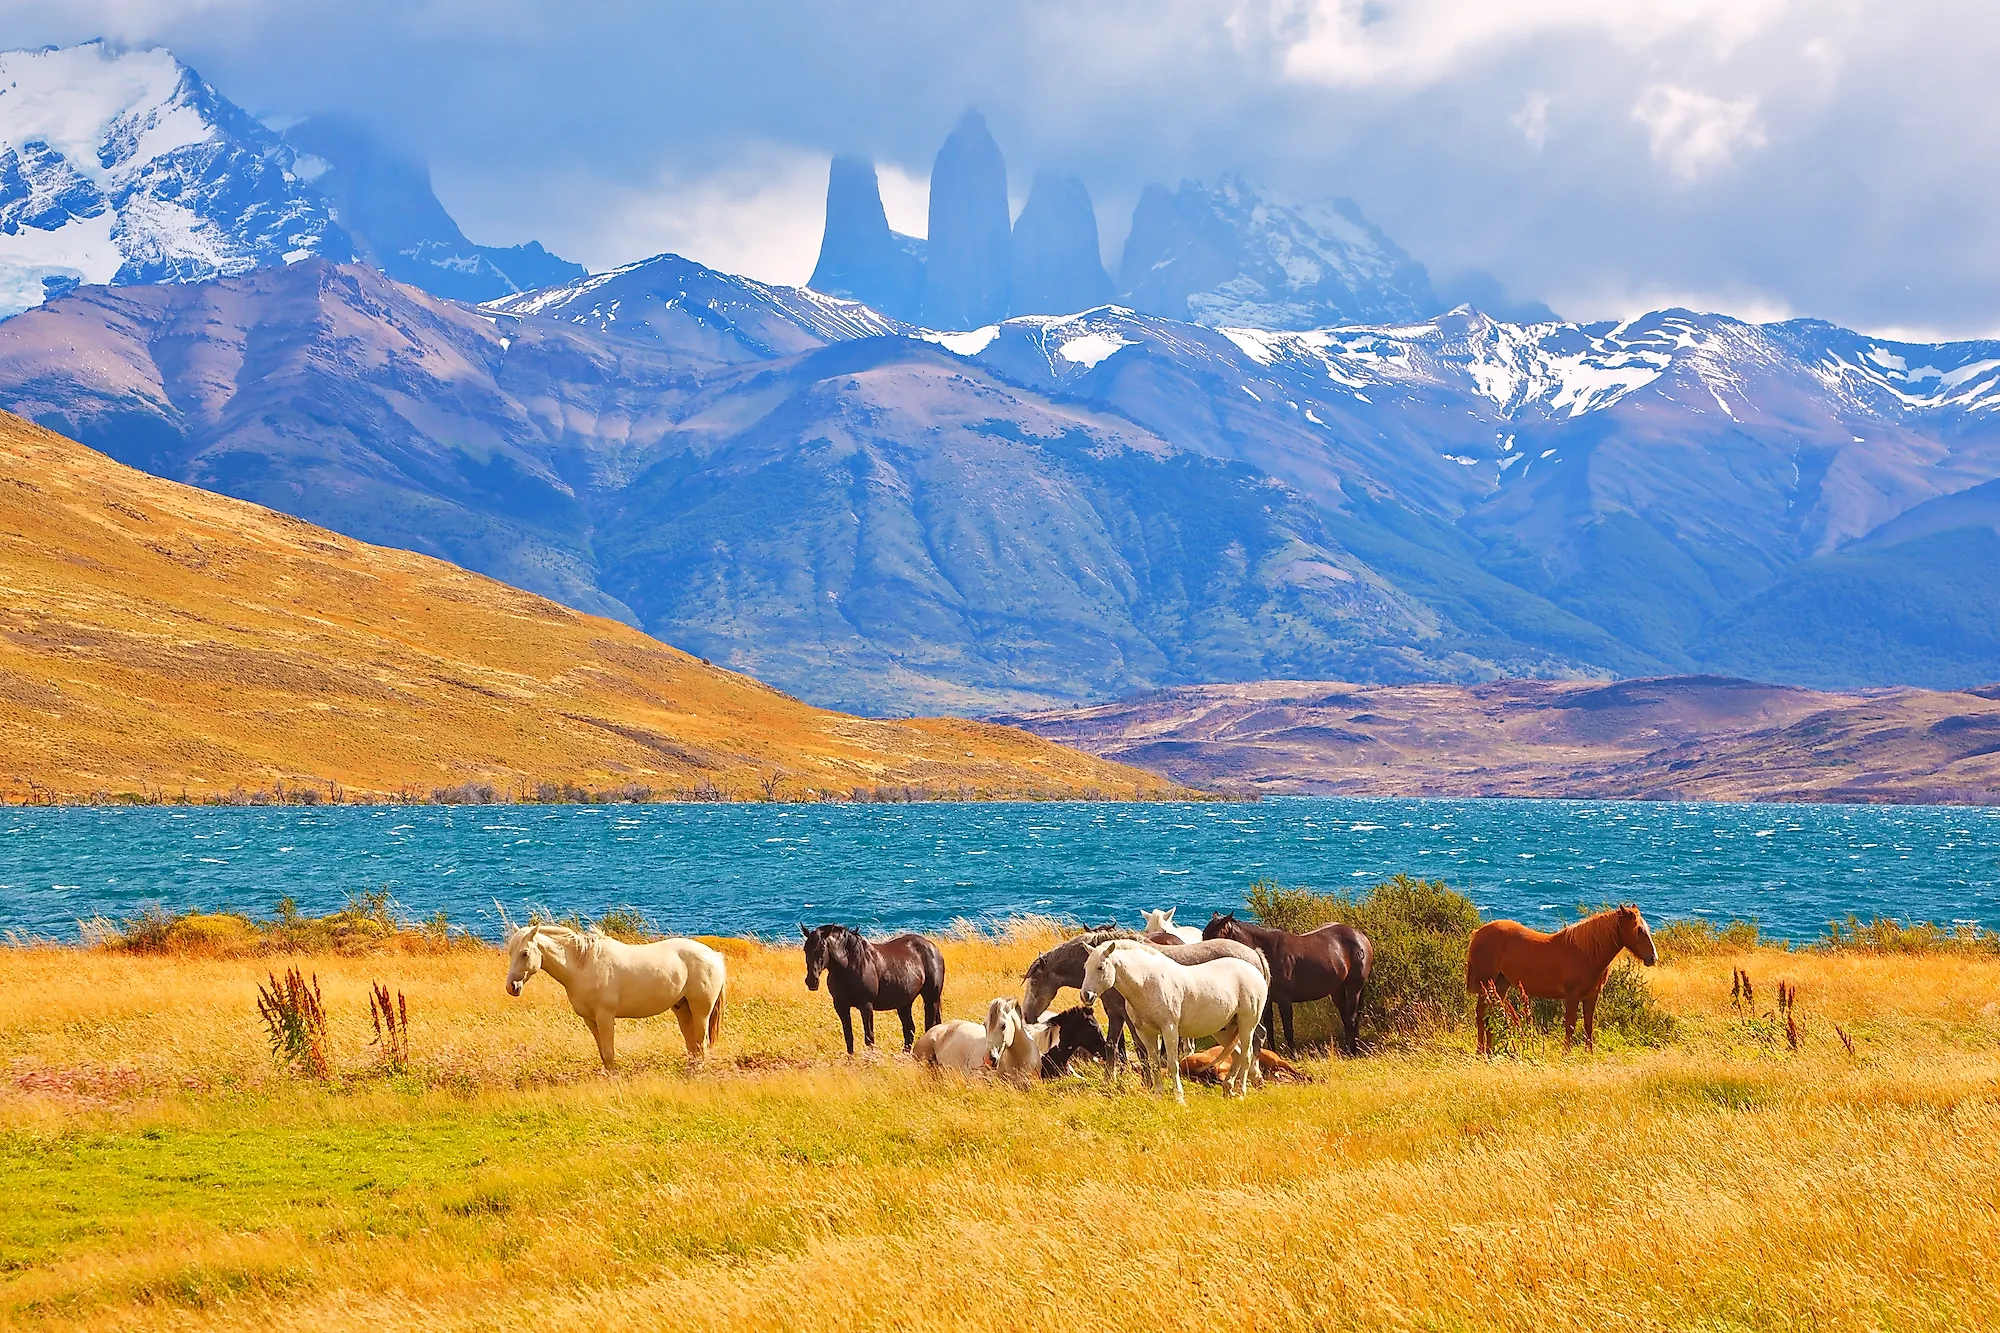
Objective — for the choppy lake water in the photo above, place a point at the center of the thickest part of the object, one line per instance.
(760, 869)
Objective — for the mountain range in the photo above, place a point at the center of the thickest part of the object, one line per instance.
(1061, 509)
(126, 167)
(1270, 455)
(1222, 254)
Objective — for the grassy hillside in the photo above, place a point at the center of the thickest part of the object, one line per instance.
(162, 640)
(163, 1173)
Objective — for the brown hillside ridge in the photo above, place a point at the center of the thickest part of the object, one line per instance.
(1705, 738)
(160, 640)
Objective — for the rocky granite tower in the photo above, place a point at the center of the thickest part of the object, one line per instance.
(970, 260)
(1058, 269)
(859, 257)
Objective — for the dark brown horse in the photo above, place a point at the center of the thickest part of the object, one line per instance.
(1570, 965)
(868, 976)
(1077, 1034)
(1331, 963)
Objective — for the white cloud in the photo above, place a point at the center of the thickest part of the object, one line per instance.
(1532, 120)
(1363, 43)
(1693, 131)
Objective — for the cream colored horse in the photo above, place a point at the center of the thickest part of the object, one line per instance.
(1166, 1002)
(1016, 1045)
(608, 980)
(1160, 928)
(954, 1044)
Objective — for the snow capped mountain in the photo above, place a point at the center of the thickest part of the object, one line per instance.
(125, 167)
(1237, 255)
(675, 301)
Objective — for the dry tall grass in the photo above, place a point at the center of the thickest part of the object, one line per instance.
(164, 1172)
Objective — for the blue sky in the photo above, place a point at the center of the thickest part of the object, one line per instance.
(1833, 159)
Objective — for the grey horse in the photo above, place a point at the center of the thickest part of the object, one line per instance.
(1063, 966)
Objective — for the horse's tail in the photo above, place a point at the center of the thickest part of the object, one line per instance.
(715, 1015)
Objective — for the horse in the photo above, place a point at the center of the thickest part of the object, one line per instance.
(955, 1044)
(1063, 966)
(869, 976)
(1077, 1034)
(608, 980)
(1212, 1066)
(1160, 928)
(1332, 962)
(1570, 965)
(1016, 1045)
(1167, 1001)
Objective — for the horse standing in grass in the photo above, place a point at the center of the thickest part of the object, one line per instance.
(869, 976)
(1332, 962)
(608, 980)
(1570, 965)
(1063, 966)
(1222, 998)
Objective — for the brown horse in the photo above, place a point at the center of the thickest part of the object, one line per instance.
(868, 976)
(1332, 962)
(1570, 965)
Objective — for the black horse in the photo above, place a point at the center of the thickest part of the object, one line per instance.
(1077, 1034)
(865, 976)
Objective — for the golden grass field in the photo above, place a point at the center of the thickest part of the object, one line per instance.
(161, 641)
(163, 1173)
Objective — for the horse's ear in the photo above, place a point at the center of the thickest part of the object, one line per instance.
(803, 931)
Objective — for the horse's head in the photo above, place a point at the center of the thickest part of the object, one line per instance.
(1633, 934)
(1004, 1026)
(1100, 972)
(819, 946)
(524, 956)
(1077, 1029)
(1159, 920)
(1039, 987)
(1222, 926)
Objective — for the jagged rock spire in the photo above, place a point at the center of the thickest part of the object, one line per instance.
(859, 257)
(970, 261)
(1057, 266)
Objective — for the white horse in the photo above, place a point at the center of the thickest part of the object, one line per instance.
(1167, 1001)
(1160, 928)
(954, 1044)
(608, 980)
(1017, 1046)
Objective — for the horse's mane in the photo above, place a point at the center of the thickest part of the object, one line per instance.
(585, 940)
(1596, 932)
(1092, 938)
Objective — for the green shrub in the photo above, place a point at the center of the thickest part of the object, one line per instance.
(1695, 938)
(1419, 930)
(628, 924)
(1885, 935)
(1625, 1006)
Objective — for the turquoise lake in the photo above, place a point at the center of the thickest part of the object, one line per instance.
(761, 869)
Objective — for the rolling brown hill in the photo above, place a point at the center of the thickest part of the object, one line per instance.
(162, 640)
(1704, 738)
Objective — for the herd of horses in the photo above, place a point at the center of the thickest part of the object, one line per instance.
(1167, 985)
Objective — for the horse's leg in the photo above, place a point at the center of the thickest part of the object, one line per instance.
(847, 1026)
(907, 1014)
(1569, 1022)
(694, 1030)
(605, 1029)
(934, 1007)
(1479, 1021)
(1590, 1021)
(1171, 1044)
(868, 1025)
(1285, 1012)
(1271, 1021)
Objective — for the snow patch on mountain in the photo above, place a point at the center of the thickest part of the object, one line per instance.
(124, 167)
